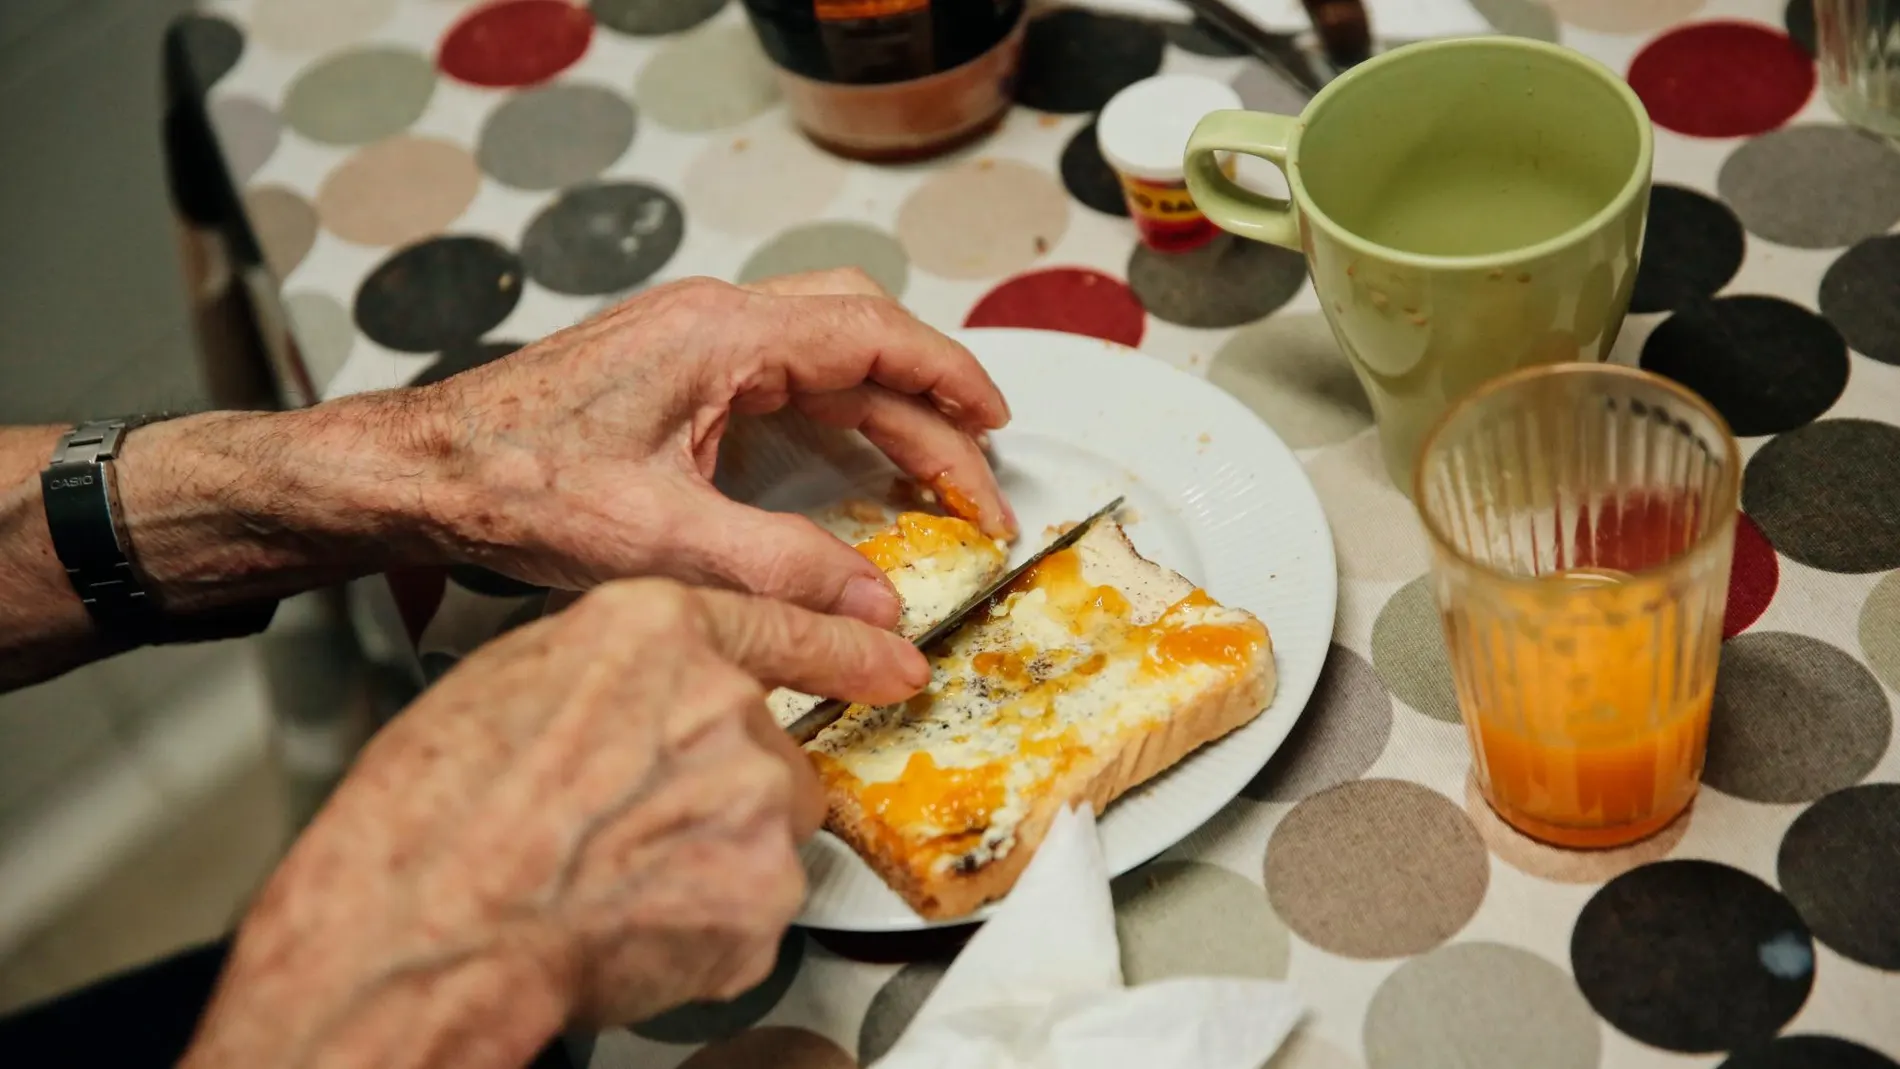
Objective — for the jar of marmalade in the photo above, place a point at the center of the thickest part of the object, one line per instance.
(893, 80)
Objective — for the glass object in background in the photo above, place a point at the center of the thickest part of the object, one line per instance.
(1582, 519)
(1857, 45)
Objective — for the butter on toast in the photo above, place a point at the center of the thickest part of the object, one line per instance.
(1099, 671)
(936, 563)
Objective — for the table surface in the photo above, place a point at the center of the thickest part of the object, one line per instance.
(424, 214)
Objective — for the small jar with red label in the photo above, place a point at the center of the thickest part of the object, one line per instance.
(1143, 134)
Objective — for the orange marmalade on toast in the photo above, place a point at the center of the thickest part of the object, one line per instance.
(1068, 665)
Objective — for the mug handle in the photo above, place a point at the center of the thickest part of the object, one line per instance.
(1232, 208)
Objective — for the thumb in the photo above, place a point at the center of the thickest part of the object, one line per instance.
(716, 541)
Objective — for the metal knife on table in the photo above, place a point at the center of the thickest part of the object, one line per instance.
(827, 712)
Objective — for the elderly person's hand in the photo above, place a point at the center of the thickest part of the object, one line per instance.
(589, 455)
(590, 820)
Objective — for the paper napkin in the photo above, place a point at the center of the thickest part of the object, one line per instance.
(1040, 987)
(1392, 20)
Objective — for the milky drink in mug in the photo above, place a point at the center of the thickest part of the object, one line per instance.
(1467, 207)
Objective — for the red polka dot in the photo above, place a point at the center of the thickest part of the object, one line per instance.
(1071, 299)
(1751, 579)
(515, 42)
(1722, 79)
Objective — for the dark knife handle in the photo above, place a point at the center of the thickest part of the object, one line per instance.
(1344, 30)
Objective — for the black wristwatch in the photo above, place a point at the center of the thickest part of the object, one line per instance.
(77, 489)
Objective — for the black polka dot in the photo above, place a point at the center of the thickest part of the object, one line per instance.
(1799, 18)
(493, 584)
(1692, 248)
(207, 46)
(1075, 60)
(893, 1007)
(1840, 866)
(1807, 1052)
(601, 238)
(1692, 956)
(1860, 294)
(703, 1022)
(1766, 364)
(436, 664)
(1828, 494)
(648, 18)
(1203, 38)
(1227, 282)
(1794, 718)
(438, 294)
(461, 358)
(1088, 176)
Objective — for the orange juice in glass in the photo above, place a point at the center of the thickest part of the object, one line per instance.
(1582, 520)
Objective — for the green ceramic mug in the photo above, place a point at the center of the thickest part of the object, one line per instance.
(1467, 207)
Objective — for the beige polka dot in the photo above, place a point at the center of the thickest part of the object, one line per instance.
(1567, 866)
(1378, 868)
(1880, 630)
(1188, 918)
(1375, 528)
(1624, 16)
(303, 27)
(983, 219)
(1289, 370)
(285, 225)
(771, 1048)
(398, 190)
(1480, 1006)
(707, 80)
(763, 181)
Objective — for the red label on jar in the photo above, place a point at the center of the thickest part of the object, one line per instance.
(839, 10)
(1165, 215)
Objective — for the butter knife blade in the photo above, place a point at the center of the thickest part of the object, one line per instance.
(827, 712)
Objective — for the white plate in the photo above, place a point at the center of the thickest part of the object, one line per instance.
(1216, 495)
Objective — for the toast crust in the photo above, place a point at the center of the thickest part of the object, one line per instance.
(942, 892)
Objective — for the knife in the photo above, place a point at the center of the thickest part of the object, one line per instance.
(827, 712)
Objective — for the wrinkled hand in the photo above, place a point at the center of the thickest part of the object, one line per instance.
(594, 814)
(589, 455)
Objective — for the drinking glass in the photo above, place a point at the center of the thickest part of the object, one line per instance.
(1582, 521)
(1857, 45)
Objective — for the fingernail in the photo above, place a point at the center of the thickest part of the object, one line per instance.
(869, 600)
(916, 667)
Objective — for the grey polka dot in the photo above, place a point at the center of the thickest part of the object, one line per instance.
(650, 18)
(708, 80)
(248, 133)
(555, 136)
(360, 96)
(1840, 865)
(1378, 868)
(1813, 187)
(1880, 630)
(602, 238)
(436, 664)
(1262, 89)
(1860, 295)
(1289, 370)
(827, 245)
(1408, 648)
(1189, 918)
(1480, 1006)
(1342, 732)
(1793, 719)
(1202, 38)
(893, 1007)
(1519, 18)
(1828, 494)
(1227, 282)
(209, 46)
(323, 332)
(701, 1022)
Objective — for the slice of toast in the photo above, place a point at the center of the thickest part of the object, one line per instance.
(935, 562)
(1100, 670)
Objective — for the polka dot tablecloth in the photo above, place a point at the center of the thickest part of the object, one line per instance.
(435, 183)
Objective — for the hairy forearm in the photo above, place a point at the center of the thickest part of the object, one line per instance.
(222, 509)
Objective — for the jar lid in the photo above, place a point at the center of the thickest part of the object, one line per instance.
(1143, 132)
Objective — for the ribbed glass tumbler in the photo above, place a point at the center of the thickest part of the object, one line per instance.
(1857, 46)
(1582, 520)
